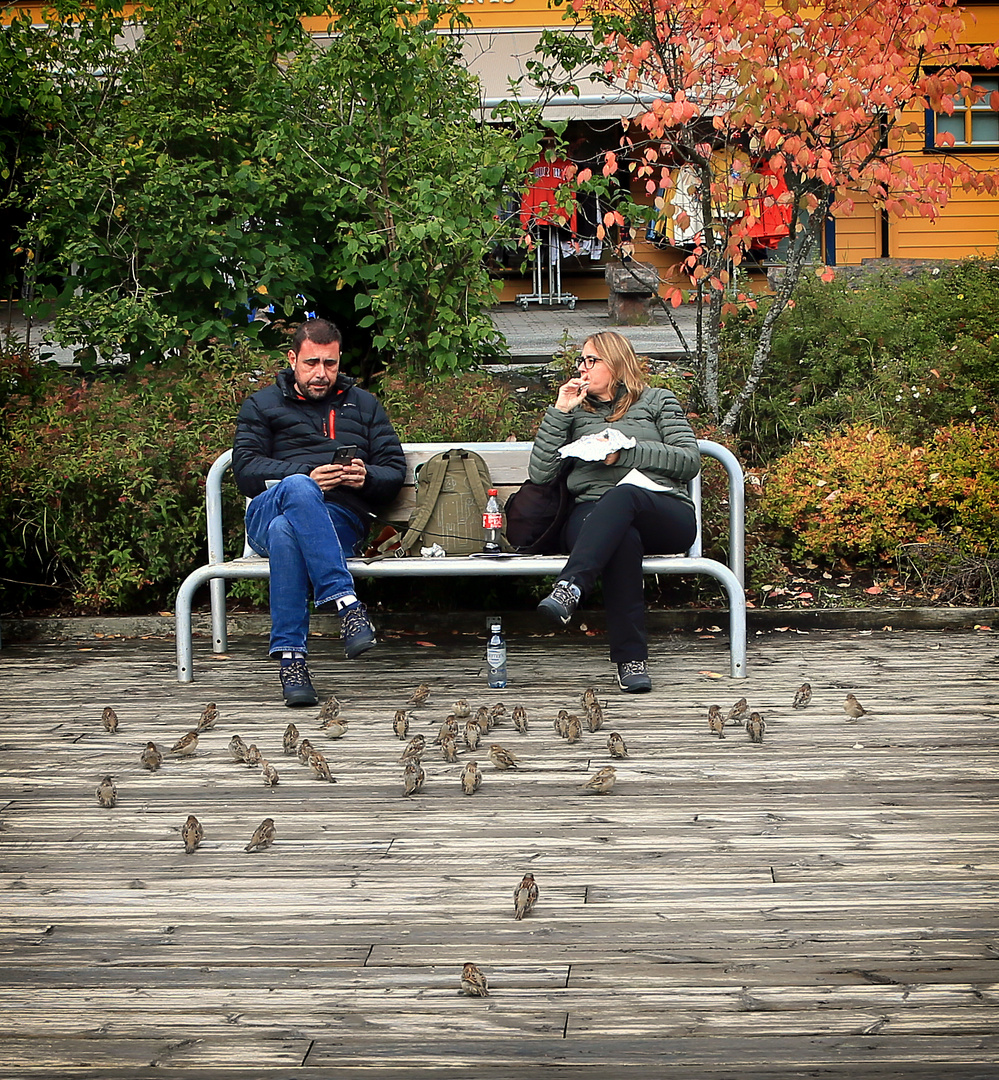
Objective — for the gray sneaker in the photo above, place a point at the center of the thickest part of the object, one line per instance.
(633, 677)
(562, 603)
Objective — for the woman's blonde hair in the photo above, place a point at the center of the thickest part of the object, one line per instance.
(625, 368)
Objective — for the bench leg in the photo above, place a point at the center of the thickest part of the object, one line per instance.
(183, 619)
(220, 639)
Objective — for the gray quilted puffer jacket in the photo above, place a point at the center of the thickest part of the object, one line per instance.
(666, 450)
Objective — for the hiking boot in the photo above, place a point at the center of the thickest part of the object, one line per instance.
(296, 684)
(559, 606)
(633, 677)
(356, 630)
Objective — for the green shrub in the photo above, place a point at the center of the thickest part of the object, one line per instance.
(471, 407)
(904, 355)
(858, 494)
(104, 477)
(864, 493)
(964, 460)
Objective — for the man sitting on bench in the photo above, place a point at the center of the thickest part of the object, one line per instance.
(317, 456)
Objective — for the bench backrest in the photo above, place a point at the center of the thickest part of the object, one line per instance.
(507, 462)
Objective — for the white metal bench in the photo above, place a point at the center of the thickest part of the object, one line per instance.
(507, 463)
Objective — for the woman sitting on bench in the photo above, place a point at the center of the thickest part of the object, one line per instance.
(630, 503)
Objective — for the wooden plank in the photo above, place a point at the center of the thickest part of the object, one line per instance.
(825, 900)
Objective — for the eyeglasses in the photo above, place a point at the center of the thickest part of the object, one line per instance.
(587, 362)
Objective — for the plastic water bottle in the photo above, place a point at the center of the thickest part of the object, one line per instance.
(492, 525)
(496, 655)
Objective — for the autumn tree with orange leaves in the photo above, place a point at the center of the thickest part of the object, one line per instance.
(775, 107)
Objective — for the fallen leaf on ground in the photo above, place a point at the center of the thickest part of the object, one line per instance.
(427, 644)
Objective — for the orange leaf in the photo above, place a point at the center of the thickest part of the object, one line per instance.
(874, 590)
(427, 644)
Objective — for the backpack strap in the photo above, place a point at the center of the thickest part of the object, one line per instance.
(421, 515)
(474, 479)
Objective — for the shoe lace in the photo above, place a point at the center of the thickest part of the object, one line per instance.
(565, 595)
(295, 674)
(354, 621)
(633, 667)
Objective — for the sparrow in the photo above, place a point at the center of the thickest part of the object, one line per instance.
(268, 774)
(419, 695)
(320, 766)
(501, 758)
(305, 749)
(713, 712)
(561, 722)
(290, 740)
(716, 724)
(803, 695)
(412, 778)
(498, 710)
(414, 750)
(472, 734)
(573, 729)
(525, 896)
(589, 697)
(334, 729)
(461, 709)
(602, 781)
(109, 718)
(473, 982)
(192, 834)
(737, 712)
(186, 745)
(151, 757)
(471, 778)
(253, 756)
(237, 748)
(853, 708)
(483, 718)
(594, 717)
(615, 744)
(519, 717)
(209, 715)
(330, 710)
(449, 750)
(107, 793)
(755, 726)
(448, 730)
(400, 725)
(263, 836)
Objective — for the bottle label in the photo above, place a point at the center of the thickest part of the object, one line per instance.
(496, 656)
(492, 521)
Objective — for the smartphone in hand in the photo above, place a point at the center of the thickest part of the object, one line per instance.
(343, 455)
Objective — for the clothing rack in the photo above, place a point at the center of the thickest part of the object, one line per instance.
(547, 264)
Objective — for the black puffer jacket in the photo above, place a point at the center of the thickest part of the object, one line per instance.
(279, 433)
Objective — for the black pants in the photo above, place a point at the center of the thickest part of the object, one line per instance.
(608, 538)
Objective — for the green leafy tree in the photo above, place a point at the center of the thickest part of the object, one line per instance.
(207, 158)
(417, 179)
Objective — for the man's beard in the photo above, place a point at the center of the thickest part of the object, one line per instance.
(315, 391)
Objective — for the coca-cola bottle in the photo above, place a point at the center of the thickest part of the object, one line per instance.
(492, 524)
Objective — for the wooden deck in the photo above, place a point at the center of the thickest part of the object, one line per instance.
(819, 905)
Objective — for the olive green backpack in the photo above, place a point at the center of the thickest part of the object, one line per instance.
(451, 492)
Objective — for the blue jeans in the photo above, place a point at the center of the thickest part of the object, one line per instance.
(307, 541)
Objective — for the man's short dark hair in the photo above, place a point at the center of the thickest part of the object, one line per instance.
(321, 331)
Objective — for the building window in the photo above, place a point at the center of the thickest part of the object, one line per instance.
(971, 123)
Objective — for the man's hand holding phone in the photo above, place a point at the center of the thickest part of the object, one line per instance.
(346, 469)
